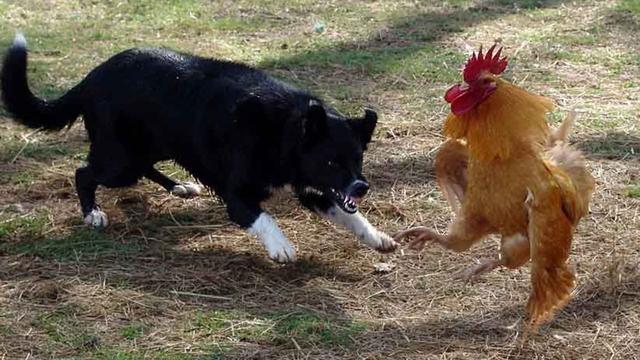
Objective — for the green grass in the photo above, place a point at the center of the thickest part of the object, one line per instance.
(410, 61)
(632, 6)
(305, 328)
(23, 226)
(39, 151)
(62, 327)
(578, 39)
(241, 325)
(6, 330)
(132, 331)
(115, 353)
(633, 191)
(459, 2)
(309, 328)
(81, 244)
(234, 24)
(526, 4)
(23, 177)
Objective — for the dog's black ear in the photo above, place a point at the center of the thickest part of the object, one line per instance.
(315, 121)
(248, 109)
(363, 128)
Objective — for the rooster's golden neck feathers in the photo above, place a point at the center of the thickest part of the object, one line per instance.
(508, 122)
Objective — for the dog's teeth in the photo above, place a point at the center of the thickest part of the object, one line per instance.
(310, 190)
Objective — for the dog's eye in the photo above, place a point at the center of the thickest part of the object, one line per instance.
(331, 164)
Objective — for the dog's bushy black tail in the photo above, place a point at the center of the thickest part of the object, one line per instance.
(20, 101)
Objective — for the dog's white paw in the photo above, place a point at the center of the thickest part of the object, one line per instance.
(387, 244)
(280, 250)
(186, 190)
(96, 219)
(380, 241)
(367, 233)
(278, 246)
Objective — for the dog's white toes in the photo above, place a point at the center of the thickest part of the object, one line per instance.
(179, 190)
(282, 252)
(193, 189)
(96, 219)
(279, 248)
(383, 242)
(186, 190)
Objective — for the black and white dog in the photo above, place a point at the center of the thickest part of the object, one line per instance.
(239, 131)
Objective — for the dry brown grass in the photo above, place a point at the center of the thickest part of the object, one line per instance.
(174, 279)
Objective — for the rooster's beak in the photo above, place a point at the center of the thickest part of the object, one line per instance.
(455, 91)
(464, 98)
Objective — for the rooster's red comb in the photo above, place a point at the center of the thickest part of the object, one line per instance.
(489, 62)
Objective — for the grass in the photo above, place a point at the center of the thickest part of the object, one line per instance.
(633, 191)
(29, 225)
(24, 177)
(291, 329)
(19, 149)
(80, 244)
(172, 279)
(308, 328)
(632, 6)
(120, 354)
(132, 331)
(62, 328)
(409, 61)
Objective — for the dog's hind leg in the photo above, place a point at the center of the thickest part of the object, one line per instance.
(113, 175)
(184, 190)
(86, 186)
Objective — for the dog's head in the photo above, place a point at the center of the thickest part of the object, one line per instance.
(330, 154)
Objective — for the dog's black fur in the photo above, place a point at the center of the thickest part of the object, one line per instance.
(236, 129)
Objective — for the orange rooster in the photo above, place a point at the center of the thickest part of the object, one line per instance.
(511, 176)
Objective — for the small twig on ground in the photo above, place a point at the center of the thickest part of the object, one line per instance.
(186, 293)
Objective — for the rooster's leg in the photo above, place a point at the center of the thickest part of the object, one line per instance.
(473, 273)
(514, 253)
(451, 164)
(420, 237)
(463, 232)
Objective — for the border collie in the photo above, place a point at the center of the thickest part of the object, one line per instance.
(239, 131)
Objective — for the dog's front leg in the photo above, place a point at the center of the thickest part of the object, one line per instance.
(262, 225)
(359, 225)
(356, 222)
(278, 246)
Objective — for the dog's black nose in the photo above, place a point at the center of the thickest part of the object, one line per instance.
(359, 189)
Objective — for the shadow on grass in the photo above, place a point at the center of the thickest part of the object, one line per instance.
(612, 146)
(414, 170)
(241, 296)
(395, 47)
(502, 330)
(245, 297)
(268, 303)
(418, 169)
(80, 243)
(625, 16)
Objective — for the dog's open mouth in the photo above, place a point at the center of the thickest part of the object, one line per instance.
(345, 202)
